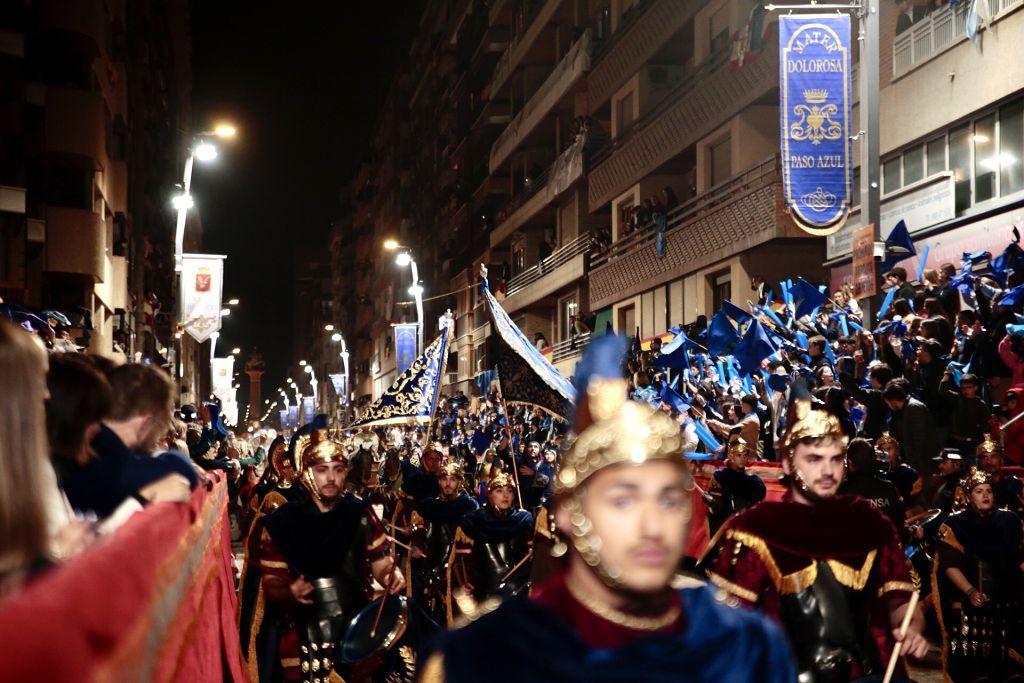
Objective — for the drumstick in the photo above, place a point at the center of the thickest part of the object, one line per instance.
(907, 616)
(383, 598)
(416, 552)
(519, 564)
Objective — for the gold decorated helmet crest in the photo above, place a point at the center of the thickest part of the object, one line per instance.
(616, 431)
(738, 446)
(808, 423)
(989, 446)
(452, 468)
(976, 477)
(886, 439)
(499, 480)
(322, 449)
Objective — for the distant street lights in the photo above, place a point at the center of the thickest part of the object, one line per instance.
(403, 259)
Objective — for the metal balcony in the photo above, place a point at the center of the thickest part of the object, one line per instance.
(561, 81)
(561, 268)
(650, 26)
(527, 24)
(705, 99)
(732, 217)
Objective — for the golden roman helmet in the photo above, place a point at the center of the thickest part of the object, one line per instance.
(886, 439)
(808, 423)
(452, 468)
(989, 446)
(499, 480)
(738, 446)
(976, 477)
(613, 430)
(278, 456)
(316, 450)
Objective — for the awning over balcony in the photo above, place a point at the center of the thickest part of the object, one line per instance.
(568, 72)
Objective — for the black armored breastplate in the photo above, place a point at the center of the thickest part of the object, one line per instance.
(439, 538)
(827, 624)
(494, 560)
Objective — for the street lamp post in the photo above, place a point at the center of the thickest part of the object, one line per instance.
(404, 259)
(312, 383)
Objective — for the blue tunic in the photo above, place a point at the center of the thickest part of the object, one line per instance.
(524, 641)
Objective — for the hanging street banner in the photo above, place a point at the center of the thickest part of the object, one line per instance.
(223, 370)
(202, 281)
(293, 415)
(284, 418)
(814, 114)
(338, 382)
(864, 283)
(405, 345)
(308, 408)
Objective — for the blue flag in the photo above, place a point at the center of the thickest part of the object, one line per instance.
(722, 336)
(735, 312)
(898, 246)
(754, 348)
(807, 297)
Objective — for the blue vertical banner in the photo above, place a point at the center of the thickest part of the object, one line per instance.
(293, 415)
(405, 345)
(814, 112)
(307, 408)
(284, 418)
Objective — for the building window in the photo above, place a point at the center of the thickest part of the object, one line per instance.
(1011, 148)
(718, 29)
(627, 320)
(960, 165)
(936, 150)
(721, 288)
(518, 259)
(626, 113)
(891, 175)
(568, 309)
(720, 160)
(913, 164)
(986, 163)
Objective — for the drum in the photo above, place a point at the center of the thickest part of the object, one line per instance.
(389, 652)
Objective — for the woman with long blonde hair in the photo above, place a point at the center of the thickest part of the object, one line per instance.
(26, 481)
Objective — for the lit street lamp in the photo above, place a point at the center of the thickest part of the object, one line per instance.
(204, 151)
(403, 259)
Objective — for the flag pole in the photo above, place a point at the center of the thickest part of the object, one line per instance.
(442, 367)
(504, 406)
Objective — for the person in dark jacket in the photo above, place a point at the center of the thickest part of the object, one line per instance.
(897, 277)
(864, 480)
(124, 465)
(876, 412)
(912, 425)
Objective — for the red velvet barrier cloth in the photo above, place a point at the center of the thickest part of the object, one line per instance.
(155, 602)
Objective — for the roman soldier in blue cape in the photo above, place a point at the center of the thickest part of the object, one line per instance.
(977, 578)
(433, 525)
(610, 611)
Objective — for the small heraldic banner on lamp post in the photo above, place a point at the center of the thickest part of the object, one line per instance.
(202, 283)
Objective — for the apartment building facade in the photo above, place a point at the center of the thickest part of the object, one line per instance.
(97, 96)
(534, 130)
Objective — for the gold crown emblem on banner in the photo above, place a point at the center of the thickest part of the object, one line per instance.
(815, 96)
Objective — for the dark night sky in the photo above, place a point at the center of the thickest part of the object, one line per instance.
(302, 82)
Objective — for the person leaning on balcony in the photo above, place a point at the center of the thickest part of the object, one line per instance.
(540, 342)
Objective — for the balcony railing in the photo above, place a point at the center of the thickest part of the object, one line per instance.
(561, 256)
(560, 81)
(568, 348)
(753, 178)
(527, 23)
(936, 32)
(733, 217)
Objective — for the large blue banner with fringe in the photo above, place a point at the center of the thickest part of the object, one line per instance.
(412, 398)
(814, 53)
